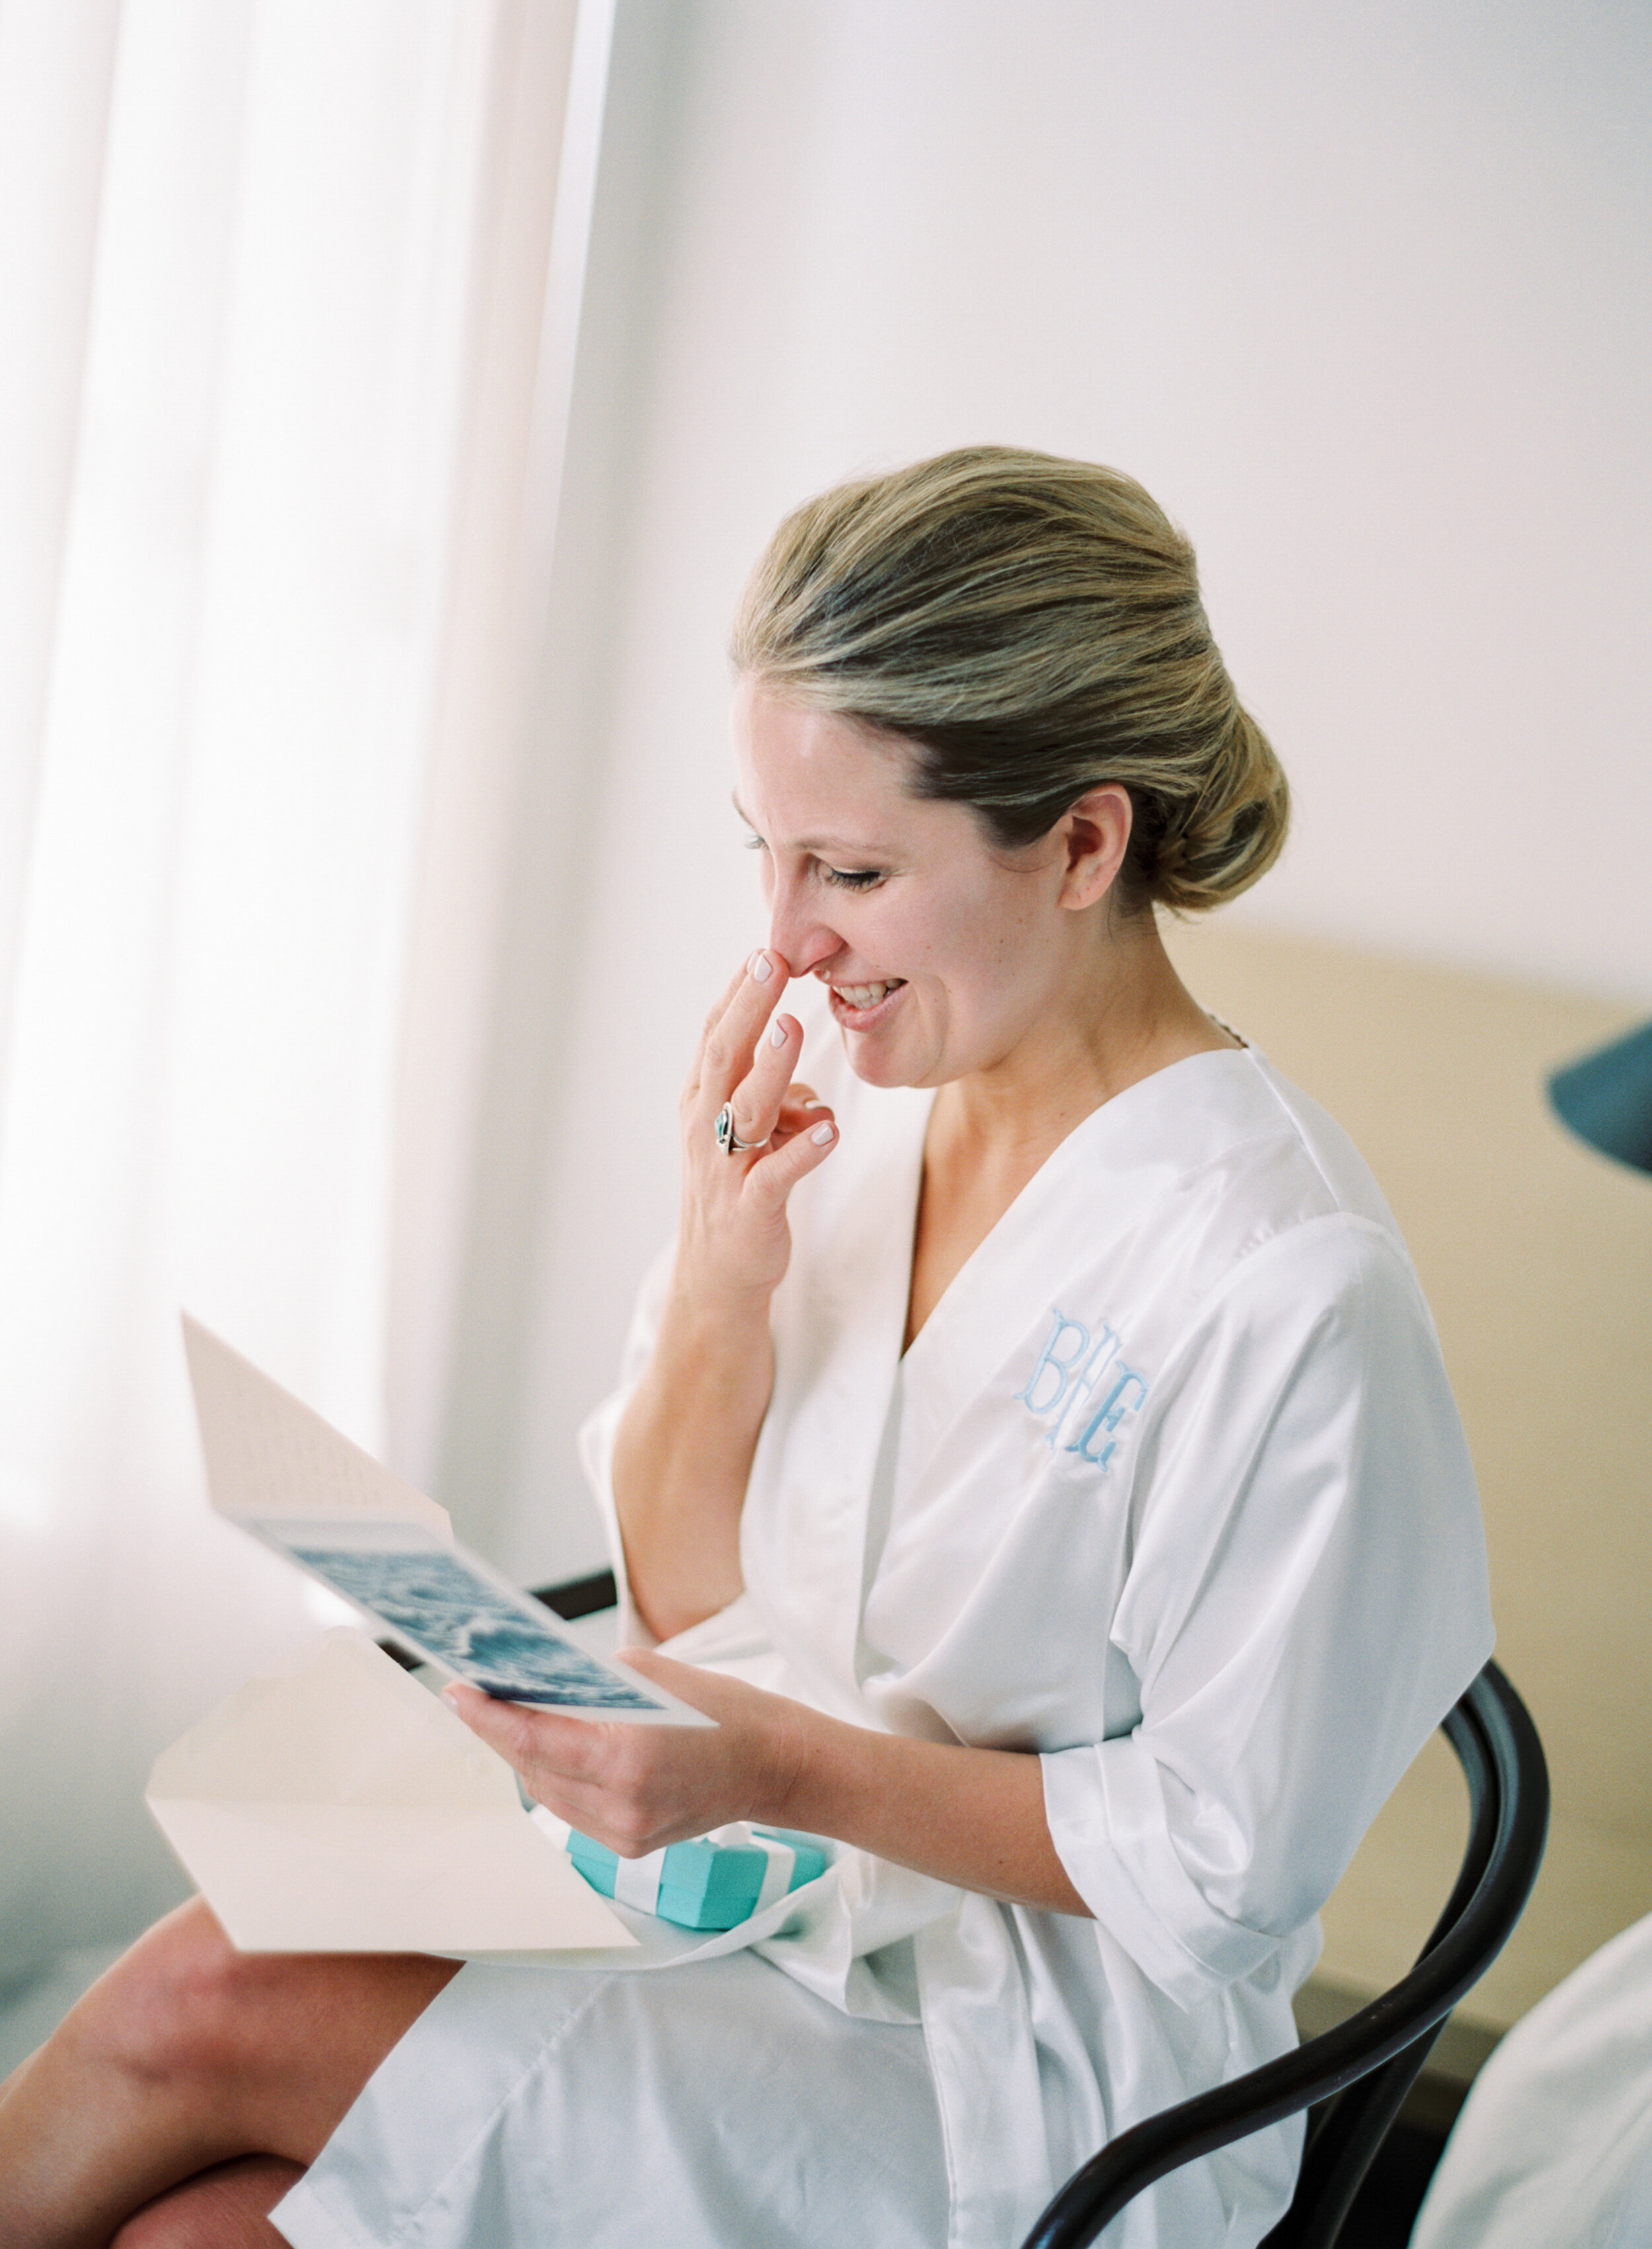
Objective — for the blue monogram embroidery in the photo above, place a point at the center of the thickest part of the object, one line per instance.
(1061, 1389)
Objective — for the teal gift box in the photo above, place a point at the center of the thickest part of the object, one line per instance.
(705, 1884)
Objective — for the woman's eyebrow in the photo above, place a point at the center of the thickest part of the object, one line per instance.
(815, 844)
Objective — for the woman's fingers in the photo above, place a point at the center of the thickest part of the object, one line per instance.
(800, 1108)
(635, 1787)
(566, 1762)
(730, 1239)
(757, 1100)
(732, 1032)
(772, 1178)
(726, 1000)
(524, 1735)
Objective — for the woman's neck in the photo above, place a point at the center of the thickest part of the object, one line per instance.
(1129, 1016)
(989, 1132)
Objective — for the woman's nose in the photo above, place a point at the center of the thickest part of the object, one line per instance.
(798, 935)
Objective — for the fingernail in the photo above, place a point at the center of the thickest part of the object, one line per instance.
(777, 1036)
(822, 1133)
(813, 1104)
(762, 967)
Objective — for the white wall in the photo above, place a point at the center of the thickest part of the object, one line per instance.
(1359, 290)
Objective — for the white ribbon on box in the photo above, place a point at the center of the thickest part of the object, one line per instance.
(637, 1880)
(782, 1860)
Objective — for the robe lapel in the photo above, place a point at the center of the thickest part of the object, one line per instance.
(1085, 1198)
(1003, 1293)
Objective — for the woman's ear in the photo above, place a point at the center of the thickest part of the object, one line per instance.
(1095, 833)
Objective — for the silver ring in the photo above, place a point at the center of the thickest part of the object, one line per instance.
(728, 1140)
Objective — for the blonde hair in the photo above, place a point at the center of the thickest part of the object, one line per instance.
(1031, 626)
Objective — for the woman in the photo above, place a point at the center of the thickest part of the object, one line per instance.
(1036, 1455)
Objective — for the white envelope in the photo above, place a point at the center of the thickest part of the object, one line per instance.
(339, 1807)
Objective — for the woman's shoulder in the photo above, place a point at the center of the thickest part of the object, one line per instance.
(1322, 1143)
(1228, 1140)
(1217, 1179)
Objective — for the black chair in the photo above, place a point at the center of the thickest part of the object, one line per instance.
(1352, 2080)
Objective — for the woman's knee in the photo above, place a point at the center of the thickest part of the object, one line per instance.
(182, 2002)
(284, 2041)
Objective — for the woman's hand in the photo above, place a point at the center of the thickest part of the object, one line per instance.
(735, 1242)
(683, 1448)
(972, 1816)
(635, 1788)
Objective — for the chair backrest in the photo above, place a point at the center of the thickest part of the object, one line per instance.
(1354, 2078)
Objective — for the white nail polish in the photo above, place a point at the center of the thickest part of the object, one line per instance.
(777, 1036)
(822, 1133)
(762, 967)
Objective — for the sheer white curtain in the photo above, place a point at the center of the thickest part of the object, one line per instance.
(276, 401)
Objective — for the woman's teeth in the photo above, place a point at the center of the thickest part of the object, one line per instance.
(866, 995)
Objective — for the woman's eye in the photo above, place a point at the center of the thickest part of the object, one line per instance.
(851, 878)
(754, 843)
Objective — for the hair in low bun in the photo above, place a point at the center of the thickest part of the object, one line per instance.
(1198, 852)
(1032, 626)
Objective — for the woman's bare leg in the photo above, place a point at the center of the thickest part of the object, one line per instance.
(226, 2208)
(186, 2055)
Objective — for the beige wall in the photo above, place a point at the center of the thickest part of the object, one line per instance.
(1537, 1257)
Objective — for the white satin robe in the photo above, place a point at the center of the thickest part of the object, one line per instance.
(1170, 1491)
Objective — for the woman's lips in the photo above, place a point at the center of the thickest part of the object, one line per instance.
(857, 1006)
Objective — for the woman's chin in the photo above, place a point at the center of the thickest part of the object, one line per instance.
(875, 1069)
(872, 1038)
(883, 1062)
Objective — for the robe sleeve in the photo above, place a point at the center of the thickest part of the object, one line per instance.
(597, 1434)
(1305, 1599)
